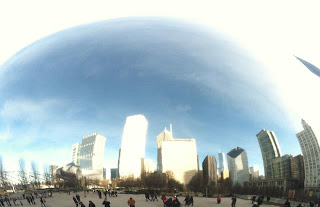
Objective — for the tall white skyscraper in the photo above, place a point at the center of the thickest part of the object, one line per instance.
(238, 166)
(92, 155)
(133, 146)
(311, 156)
(177, 155)
(222, 162)
(270, 149)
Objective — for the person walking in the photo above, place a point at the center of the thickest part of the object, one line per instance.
(191, 200)
(131, 202)
(234, 200)
(78, 198)
(146, 194)
(106, 203)
(75, 201)
(42, 201)
(155, 195)
(253, 199)
(287, 203)
(268, 199)
(91, 204)
(81, 204)
(187, 200)
(218, 199)
(164, 200)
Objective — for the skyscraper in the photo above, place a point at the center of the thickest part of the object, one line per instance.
(222, 162)
(133, 146)
(254, 172)
(311, 156)
(163, 136)
(177, 155)
(238, 165)
(75, 153)
(92, 155)
(209, 170)
(270, 149)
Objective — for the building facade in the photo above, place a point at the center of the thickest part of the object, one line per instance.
(114, 173)
(254, 173)
(91, 155)
(311, 156)
(209, 170)
(238, 166)
(163, 136)
(222, 162)
(133, 146)
(177, 155)
(75, 154)
(270, 149)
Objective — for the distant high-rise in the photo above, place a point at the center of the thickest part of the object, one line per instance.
(238, 165)
(297, 169)
(92, 155)
(183, 163)
(163, 136)
(254, 172)
(270, 149)
(222, 162)
(114, 173)
(311, 156)
(75, 153)
(133, 146)
(149, 166)
(209, 170)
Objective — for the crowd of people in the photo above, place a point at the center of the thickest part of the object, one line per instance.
(6, 200)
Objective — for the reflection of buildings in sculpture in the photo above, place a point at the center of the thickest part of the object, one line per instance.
(53, 171)
(270, 149)
(297, 169)
(149, 166)
(311, 156)
(284, 184)
(209, 170)
(75, 153)
(280, 167)
(91, 155)
(225, 174)
(254, 172)
(133, 146)
(69, 171)
(114, 173)
(238, 165)
(163, 136)
(177, 155)
(222, 162)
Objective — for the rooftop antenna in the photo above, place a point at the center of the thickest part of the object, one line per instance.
(171, 129)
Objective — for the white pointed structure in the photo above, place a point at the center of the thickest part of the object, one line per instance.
(133, 146)
(177, 155)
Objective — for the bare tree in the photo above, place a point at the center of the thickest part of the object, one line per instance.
(2, 174)
(35, 174)
(23, 173)
(47, 175)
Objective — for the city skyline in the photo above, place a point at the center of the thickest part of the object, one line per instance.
(96, 94)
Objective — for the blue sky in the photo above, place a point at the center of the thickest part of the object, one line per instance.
(90, 78)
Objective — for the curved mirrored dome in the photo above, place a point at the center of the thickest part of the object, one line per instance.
(90, 78)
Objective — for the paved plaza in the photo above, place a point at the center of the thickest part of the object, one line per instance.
(65, 200)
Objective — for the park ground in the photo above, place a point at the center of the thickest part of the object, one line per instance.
(65, 200)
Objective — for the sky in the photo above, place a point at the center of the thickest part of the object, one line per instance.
(269, 31)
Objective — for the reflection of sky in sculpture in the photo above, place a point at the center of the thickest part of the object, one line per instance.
(90, 78)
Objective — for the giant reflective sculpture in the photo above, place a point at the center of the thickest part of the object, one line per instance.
(90, 78)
